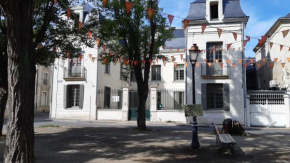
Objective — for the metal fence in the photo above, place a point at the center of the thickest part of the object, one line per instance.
(109, 99)
(74, 73)
(215, 69)
(170, 99)
(134, 100)
(267, 97)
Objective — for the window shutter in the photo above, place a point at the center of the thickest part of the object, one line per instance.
(176, 102)
(158, 73)
(204, 97)
(81, 100)
(226, 95)
(65, 95)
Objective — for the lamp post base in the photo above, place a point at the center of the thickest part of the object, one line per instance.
(195, 143)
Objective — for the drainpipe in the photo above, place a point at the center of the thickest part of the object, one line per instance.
(244, 74)
(186, 67)
(51, 91)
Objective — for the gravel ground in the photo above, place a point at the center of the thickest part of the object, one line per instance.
(165, 144)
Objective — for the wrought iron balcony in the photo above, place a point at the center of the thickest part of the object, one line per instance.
(215, 71)
(74, 74)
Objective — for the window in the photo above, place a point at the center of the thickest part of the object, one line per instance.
(107, 68)
(45, 78)
(107, 98)
(44, 99)
(179, 72)
(73, 95)
(215, 96)
(132, 76)
(214, 52)
(178, 100)
(75, 67)
(156, 73)
(214, 10)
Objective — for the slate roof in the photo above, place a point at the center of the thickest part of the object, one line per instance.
(178, 42)
(231, 9)
(287, 16)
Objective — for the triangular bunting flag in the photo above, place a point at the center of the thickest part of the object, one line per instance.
(245, 42)
(164, 63)
(259, 65)
(175, 64)
(54, 49)
(104, 47)
(275, 59)
(136, 63)
(150, 61)
(264, 61)
(80, 25)
(219, 32)
(181, 56)
(170, 18)
(283, 65)
(252, 61)
(249, 38)
(80, 56)
(285, 33)
(205, 60)
(93, 59)
(98, 42)
(144, 62)
(216, 61)
(234, 65)
(288, 59)
(203, 27)
(150, 13)
(235, 36)
(209, 64)
(240, 61)
(271, 65)
(228, 61)
(104, 2)
(54, 1)
(40, 46)
(68, 13)
(271, 45)
(197, 64)
(90, 34)
(185, 23)
(228, 46)
(177, 49)
(164, 59)
(90, 56)
(186, 64)
(129, 5)
(246, 65)
(221, 65)
(281, 47)
(262, 40)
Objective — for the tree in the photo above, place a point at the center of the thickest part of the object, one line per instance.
(33, 29)
(136, 38)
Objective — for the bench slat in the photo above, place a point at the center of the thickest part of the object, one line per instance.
(225, 138)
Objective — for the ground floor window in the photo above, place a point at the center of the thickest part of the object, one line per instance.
(178, 100)
(73, 96)
(107, 98)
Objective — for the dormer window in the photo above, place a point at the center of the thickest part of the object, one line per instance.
(214, 10)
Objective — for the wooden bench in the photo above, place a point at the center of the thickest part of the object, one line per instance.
(224, 141)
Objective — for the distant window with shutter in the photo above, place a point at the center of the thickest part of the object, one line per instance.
(179, 72)
(156, 73)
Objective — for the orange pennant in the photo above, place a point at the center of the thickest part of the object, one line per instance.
(98, 42)
(175, 64)
(104, 2)
(271, 65)
(262, 40)
(281, 47)
(264, 61)
(170, 18)
(164, 59)
(249, 38)
(234, 65)
(150, 61)
(275, 59)
(115, 61)
(150, 13)
(177, 49)
(283, 65)
(288, 59)
(181, 56)
(205, 60)
(80, 56)
(170, 48)
(285, 33)
(54, 1)
(40, 46)
(93, 59)
(235, 36)
(197, 64)
(90, 34)
(164, 63)
(259, 65)
(68, 54)
(54, 49)
(68, 13)
(228, 61)
(240, 61)
(104, 47)
(203, 27)
(252, 61)
(271, 45)
(209, 64)
(185, 23)
(245, 42)
(144, 62)
(136, 63)
(90, 56)
(219, 32)
(186, 64)
(104, 60)
(228, 46)
(80, 25)
(246, 65)
(129, 5)
(216, 61)
(221, 65)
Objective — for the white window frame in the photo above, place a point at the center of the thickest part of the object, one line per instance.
(178, 68)
(220, 11)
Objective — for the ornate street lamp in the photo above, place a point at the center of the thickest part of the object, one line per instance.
(193, 54)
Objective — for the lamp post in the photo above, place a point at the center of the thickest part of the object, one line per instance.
(193, 54)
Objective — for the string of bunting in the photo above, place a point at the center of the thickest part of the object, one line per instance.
(129, 5)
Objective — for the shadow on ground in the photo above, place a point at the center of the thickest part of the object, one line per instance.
(76, 145)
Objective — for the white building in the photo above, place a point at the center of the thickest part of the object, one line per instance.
(219, 88)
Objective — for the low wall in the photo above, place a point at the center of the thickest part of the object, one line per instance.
(109, 114)
(170, 115)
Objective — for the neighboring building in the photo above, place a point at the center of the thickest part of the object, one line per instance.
(278, 77)
(220, 89)
(251, 75)
(43, 88)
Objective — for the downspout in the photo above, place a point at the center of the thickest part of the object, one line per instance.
(244, 75)
(51, 93)
(186, 67)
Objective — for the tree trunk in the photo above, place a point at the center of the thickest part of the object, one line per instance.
(143, 94)
(3, 101)
(21, 81)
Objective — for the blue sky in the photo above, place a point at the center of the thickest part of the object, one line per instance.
(263, 14)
